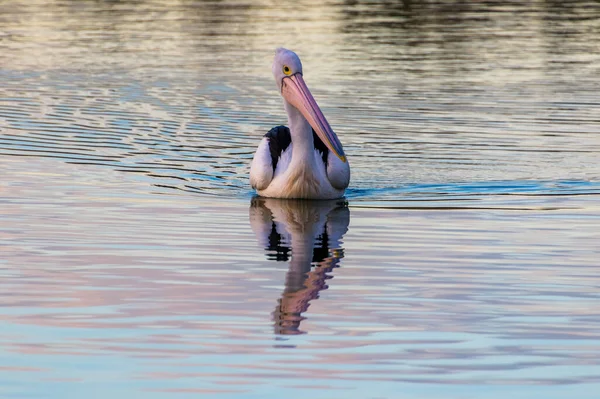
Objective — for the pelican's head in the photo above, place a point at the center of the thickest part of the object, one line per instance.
(286, 63)
(287, 70)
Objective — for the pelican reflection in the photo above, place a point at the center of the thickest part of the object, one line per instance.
(307, 235)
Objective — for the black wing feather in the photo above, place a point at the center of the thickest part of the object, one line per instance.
(319, 145)
(280, 139)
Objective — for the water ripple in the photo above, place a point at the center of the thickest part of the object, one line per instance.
(135, 259)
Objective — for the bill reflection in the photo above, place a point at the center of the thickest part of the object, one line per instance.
(308, 236)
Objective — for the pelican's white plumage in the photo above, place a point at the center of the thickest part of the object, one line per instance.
(290, 163)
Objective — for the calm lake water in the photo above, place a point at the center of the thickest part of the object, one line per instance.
(136, 261)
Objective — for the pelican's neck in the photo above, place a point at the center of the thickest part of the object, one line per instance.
(302, 137)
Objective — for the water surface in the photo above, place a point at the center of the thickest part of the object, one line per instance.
(463, 262)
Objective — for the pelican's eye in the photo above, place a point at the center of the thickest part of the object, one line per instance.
(287, 70)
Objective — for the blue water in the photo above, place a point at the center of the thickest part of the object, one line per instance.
(136, 260)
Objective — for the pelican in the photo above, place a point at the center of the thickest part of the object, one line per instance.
(305, 160)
